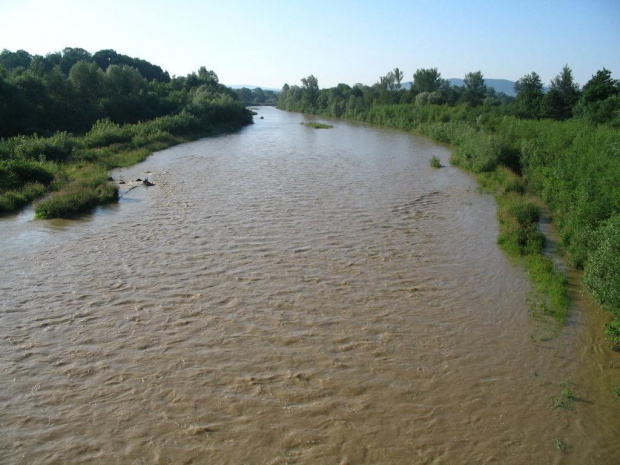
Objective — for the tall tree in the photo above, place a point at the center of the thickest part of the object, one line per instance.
(475, 88)
(11, 60)
(258, 95)
(70, 56)
(426, 80)
(563, 94)
(310, 91)
(106, 58)
(530, 93)
(600, 87)
(393, 79)
(87, 79)
(600, 99)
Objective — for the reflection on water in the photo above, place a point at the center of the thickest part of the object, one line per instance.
(287, 295)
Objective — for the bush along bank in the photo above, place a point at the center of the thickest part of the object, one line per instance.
(518, 214)
(573, 166)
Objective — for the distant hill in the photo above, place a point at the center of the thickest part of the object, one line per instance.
(500, 85)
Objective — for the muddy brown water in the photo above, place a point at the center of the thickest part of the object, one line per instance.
(291, 295)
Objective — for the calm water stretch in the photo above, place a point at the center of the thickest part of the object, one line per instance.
(291, 295)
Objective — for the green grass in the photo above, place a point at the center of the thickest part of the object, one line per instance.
(12, 201)
(22, 181)
(318, 125)
(82, 189)
(550, 287)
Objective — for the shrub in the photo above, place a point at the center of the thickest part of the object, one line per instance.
(16, 173)
(104, 132)
(11, 201)
(550, 286)
(88, 187)
(56, 148)
(602, 272)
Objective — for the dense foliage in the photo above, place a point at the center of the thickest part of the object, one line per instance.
(564, 145)
(66, 118)
(257, 96)
(71, 90)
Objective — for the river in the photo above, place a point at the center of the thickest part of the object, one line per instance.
(291, 295)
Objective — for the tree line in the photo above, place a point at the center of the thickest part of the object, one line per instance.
(562, 144)
(71, 90)
(598, 101)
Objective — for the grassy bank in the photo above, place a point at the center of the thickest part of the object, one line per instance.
(520, 238)
(70, 173)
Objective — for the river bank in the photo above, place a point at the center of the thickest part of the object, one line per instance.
(518, 214)
(72, 171)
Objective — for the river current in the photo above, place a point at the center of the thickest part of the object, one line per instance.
(291, 295)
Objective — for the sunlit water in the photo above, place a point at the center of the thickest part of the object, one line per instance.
(290, 295)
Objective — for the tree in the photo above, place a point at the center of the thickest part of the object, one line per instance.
(126, 93)
(207, 76)
(426, 80)
(310, 92)
(600, 99)
(475, 88)
(66, 113)
(392, 80)
(38, 66)
(53, 59)
(70, 56)
(600, 87)
(563, 94)
(258, 95)
(106, 58)
(32, 103)
(11, 60)
(245, 95)
(530, 93)
(398, 78)
(86, 79)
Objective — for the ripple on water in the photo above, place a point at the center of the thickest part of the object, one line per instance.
(281, 295)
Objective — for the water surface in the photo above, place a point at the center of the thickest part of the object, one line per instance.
(290, 295)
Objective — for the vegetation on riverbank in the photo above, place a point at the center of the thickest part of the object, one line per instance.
(128, 118)
(315, 125)
(563, 146)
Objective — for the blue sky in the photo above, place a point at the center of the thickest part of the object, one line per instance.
(269, 42)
